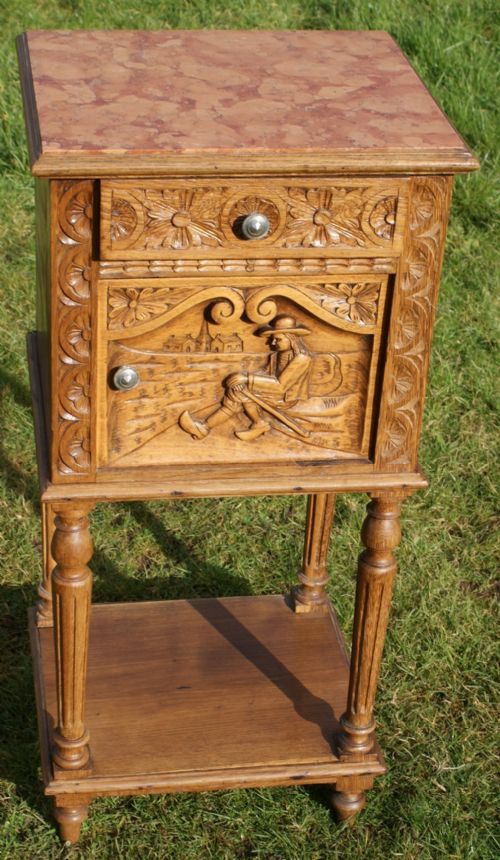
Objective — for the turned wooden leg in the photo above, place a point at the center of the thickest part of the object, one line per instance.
(376, 569)
(310, 595)
(348, 798)
(44, 617)
(70, 813)
(71, 592)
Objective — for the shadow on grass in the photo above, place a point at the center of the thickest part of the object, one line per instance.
(19, 757)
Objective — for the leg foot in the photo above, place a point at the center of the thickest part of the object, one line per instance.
(69, 819)
(347, 804)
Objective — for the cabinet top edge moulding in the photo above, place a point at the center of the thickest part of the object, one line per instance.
(137, 103)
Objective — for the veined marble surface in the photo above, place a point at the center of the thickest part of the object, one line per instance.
(221, 91)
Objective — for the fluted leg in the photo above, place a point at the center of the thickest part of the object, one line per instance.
(310, 595)
(376, 570)
(70, 813)
(71, 591)
(44, 616)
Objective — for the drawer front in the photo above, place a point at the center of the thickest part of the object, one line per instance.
(161, 220)
(250, 372)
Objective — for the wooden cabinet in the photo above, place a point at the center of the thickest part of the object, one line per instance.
(237, 273)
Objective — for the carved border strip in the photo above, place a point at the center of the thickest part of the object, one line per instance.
(271, 266)
(413, 311)
(72, 334)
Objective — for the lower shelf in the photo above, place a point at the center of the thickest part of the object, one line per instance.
(204, 694)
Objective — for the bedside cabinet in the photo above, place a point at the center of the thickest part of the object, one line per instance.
(239, 239)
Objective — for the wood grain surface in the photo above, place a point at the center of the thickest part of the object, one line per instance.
(185, 695)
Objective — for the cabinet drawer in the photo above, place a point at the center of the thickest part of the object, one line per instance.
(162, 219)
(243, 373)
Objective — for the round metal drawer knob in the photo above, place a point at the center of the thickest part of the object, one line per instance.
(255, 226)
(126, 378)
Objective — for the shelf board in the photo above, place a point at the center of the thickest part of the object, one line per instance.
(204, 694)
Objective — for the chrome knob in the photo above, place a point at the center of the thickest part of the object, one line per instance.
(255, 226)
(126, 378)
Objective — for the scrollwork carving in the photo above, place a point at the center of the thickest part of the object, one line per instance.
(413, 312)
(73, 258)
(229, 308)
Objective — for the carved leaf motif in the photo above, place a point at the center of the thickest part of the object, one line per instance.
(408, 356)
(128, 307)
(356, 303)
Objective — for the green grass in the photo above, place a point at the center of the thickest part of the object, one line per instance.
(437, 692)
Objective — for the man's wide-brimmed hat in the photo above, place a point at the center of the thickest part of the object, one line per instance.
(283, 324)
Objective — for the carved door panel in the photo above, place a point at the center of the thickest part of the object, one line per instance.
(243, 373)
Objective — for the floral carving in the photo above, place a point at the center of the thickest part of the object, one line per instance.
(383, 217)
(322, 217)
(415, 299)
(184, 218)
(74, 333)
(129, 307)
(75, 447)
(123, 219)
(355, 303)
(73, 257)
(160, 219)
(75, 395)
(75, 275)
(78, 212)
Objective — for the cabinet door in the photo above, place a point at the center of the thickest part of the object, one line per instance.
(250, 372)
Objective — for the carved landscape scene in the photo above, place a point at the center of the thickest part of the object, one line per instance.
(241, 375)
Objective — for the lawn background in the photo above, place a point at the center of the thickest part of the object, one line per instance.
(437, 694)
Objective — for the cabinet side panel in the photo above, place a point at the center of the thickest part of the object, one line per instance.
(43, 297)
(72, 211)
(412, 320)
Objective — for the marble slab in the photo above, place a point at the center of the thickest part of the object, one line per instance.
(171, 93)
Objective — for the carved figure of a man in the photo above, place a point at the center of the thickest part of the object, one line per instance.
(264, 395)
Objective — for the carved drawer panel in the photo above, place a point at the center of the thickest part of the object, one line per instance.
(167, 220)
(247, 372)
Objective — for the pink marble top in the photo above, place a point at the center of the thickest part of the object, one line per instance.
(175, 93)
